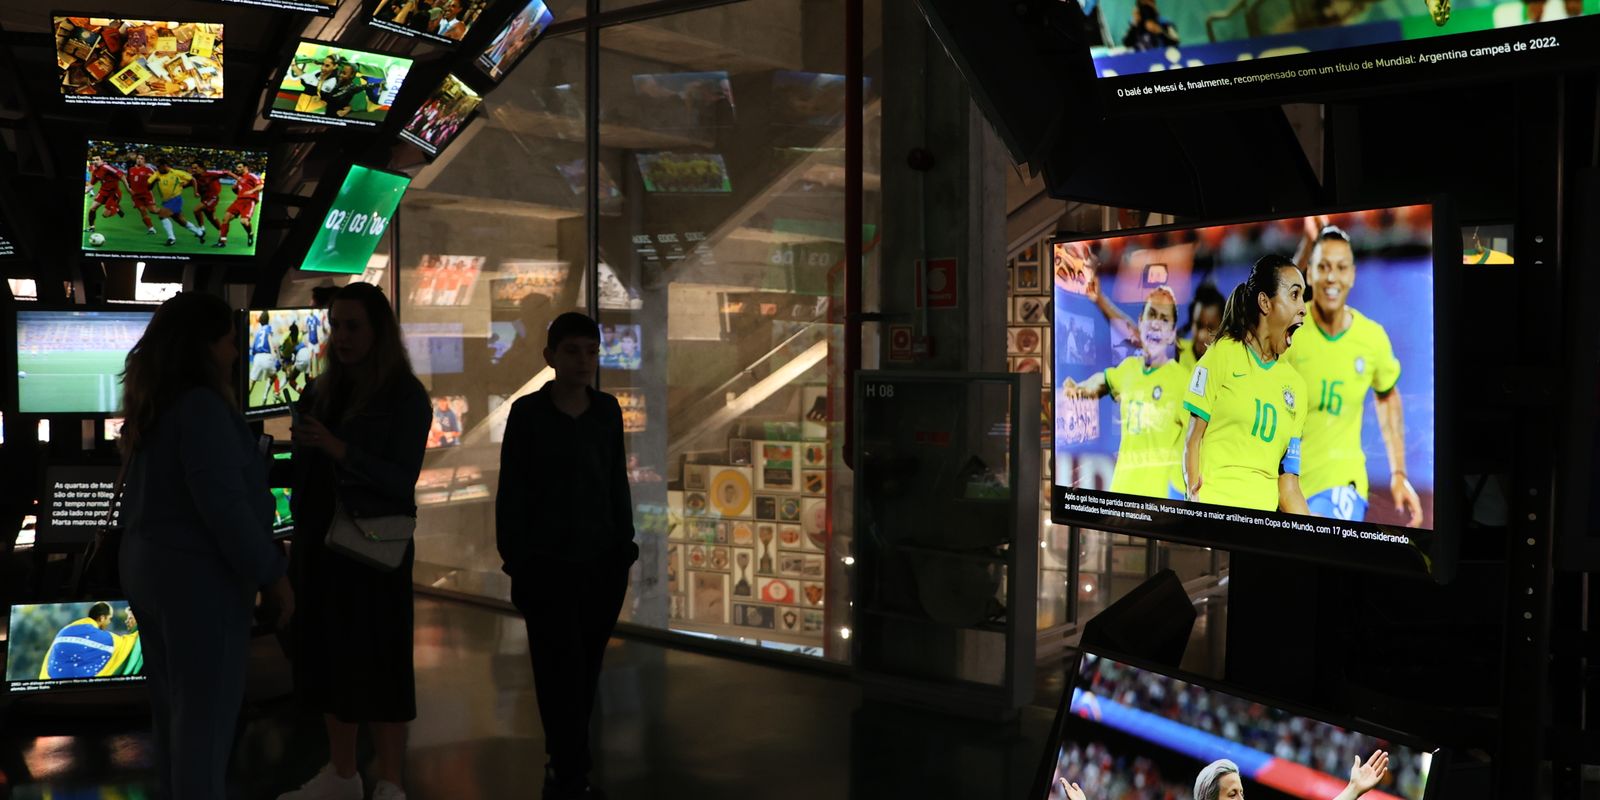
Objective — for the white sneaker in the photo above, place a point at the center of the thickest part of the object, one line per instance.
(327, 785)
(388, 791)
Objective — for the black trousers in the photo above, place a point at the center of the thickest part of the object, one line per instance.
(571, 610)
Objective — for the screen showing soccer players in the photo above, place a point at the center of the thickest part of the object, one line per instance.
(1126, 732)
(355, 223)
(71, 362)
(57, 645)
(1275, 377)
(323, 8)
(330, 85)
(684, 172)
(176, 202)
(442, 116)
(515, 39)
(285, 349)
(1231, 48)
(117, 61)
(442, 21)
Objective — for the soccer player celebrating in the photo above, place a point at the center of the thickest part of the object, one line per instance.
(171, 182)
(139, 186)
(247, 187)
(1248, 407)
(1149, 387)
(1343, 357)
(110, 196)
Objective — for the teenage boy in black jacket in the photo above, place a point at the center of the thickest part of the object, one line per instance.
(564, 526)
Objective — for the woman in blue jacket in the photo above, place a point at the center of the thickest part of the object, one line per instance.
(199, 536)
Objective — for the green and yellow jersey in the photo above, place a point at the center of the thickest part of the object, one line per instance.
(1150, 455)
(1186, 357)
(1338, 371)
(1254, 412)
(171, 182)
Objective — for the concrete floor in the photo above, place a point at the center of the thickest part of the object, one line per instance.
(671, 724)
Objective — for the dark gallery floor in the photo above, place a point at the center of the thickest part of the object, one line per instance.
(671, 724)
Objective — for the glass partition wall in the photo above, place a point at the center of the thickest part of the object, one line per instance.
(718, 282)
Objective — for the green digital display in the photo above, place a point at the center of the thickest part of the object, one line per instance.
(356, 221)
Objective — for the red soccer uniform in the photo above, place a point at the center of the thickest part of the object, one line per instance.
(109, 178)
(244, 206)
(139, 184)
(208, 185)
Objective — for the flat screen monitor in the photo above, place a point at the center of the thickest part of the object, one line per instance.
(171, 202)
(442, 116)
(133, 62)
(60, 646)
(23, 288)
(515, 39)
(442, 23)
(1130, 730)
(75, 502)
(449, 421)
(331, 85)
(284, 349)
(71, 361)
(435, 348)
(323, 8)
(1305, 424)
(620, 347)
(1150, 55)
(684, 172)
(355, 223)
(445, 280)
(1491, 245)
(282, 511)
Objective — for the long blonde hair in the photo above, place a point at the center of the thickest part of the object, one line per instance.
(172, 357)
(349, 388)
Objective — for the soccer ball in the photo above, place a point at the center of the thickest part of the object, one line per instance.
(96, 239)
(21, 374)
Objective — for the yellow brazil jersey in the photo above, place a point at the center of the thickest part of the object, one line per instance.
(1338, 371)
(1254, 415)
(1186, 357)
(1150, 456)
(171, 182)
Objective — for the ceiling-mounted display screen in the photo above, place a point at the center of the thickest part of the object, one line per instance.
(356, 221)
(1151, 54)
(1262, 385)
(331, 85)
(515, 39)
(442, 116)
(284, 350)
(323, 8)
(119, 61)
(71, 361)
(1125, 731)
(446, 22)
(171, 202)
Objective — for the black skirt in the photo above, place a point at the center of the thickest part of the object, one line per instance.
(352, 634)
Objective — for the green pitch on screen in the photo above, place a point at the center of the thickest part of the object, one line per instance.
(356, 222)
(66, 383)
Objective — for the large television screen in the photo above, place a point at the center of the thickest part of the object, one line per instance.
(119, 61)
(70, 362)
(515, 39)
(323, 8)
(54, 646)
(444, 22)
(1304, 422)
(1125, 730)
(76, 502)
(442, 116)
(356, 221)
(1202, 51)
(171, 202)
(284, 350)
(331, 85)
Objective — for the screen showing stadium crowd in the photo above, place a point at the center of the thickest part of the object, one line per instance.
(1270, 731)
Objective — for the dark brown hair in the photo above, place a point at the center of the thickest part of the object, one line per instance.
(172, 357)
(348, 388)
(1242, 313)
